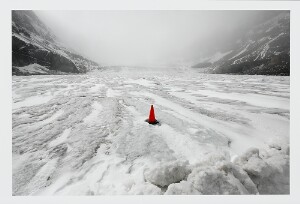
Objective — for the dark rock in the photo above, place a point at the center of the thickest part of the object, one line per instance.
(34, 43)
(263, 49)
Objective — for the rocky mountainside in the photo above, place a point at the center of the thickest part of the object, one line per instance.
(264, 50)
(35, 50)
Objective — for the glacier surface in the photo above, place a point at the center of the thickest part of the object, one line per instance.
(87, 135)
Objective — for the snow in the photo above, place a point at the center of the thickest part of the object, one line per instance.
(95, 88)
(112, 93)
(165, 174)
(182, 188)
(28, 40)
(250, 98)
(93, 116)
(142, 82)
(266, 47)
(33, 69)
(211, 181)
(51, 119)
(269, 170)
(241, 52)
(60, 139)
(21, 37)
(33, 100)
(87, 135)
(41, 178)
(251, 174)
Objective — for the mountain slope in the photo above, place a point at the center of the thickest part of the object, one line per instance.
(35, 50)
(264, 49)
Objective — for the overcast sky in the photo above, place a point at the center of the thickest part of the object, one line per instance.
(146, 37)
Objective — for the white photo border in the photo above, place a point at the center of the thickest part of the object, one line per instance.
(6, 102)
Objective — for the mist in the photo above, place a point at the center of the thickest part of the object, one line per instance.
(149, 38)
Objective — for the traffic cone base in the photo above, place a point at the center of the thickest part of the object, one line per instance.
(151, 120)
(156, 122)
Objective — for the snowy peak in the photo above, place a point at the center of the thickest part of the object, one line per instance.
(26, 22)
(264, 49)
(34, 44)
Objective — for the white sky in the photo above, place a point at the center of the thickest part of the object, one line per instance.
(144, 37)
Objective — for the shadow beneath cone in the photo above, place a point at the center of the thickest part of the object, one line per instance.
(156, 122)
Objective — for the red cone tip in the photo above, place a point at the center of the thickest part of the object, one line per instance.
(152, 115)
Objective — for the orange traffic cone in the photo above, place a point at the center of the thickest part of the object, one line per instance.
(151, 119)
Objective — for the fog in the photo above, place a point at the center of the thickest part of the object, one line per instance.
(149, 37)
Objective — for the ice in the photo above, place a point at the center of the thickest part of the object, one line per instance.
(92, 118)
(247, 187)
(179, 142)
(211, 181)
(142, 82)
(182, 188)
(87, 135)
(32, 101)
(166, 173)
(220, 129)
(60, 139)
(250, 174)
(269, 169)
(112, 93)
(252, 99)
(51, 119)
(96, 88)
(42, 177)
(144, 189)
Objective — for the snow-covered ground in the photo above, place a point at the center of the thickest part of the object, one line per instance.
(86, 134)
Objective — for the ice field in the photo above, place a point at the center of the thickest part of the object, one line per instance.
(87, 135)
